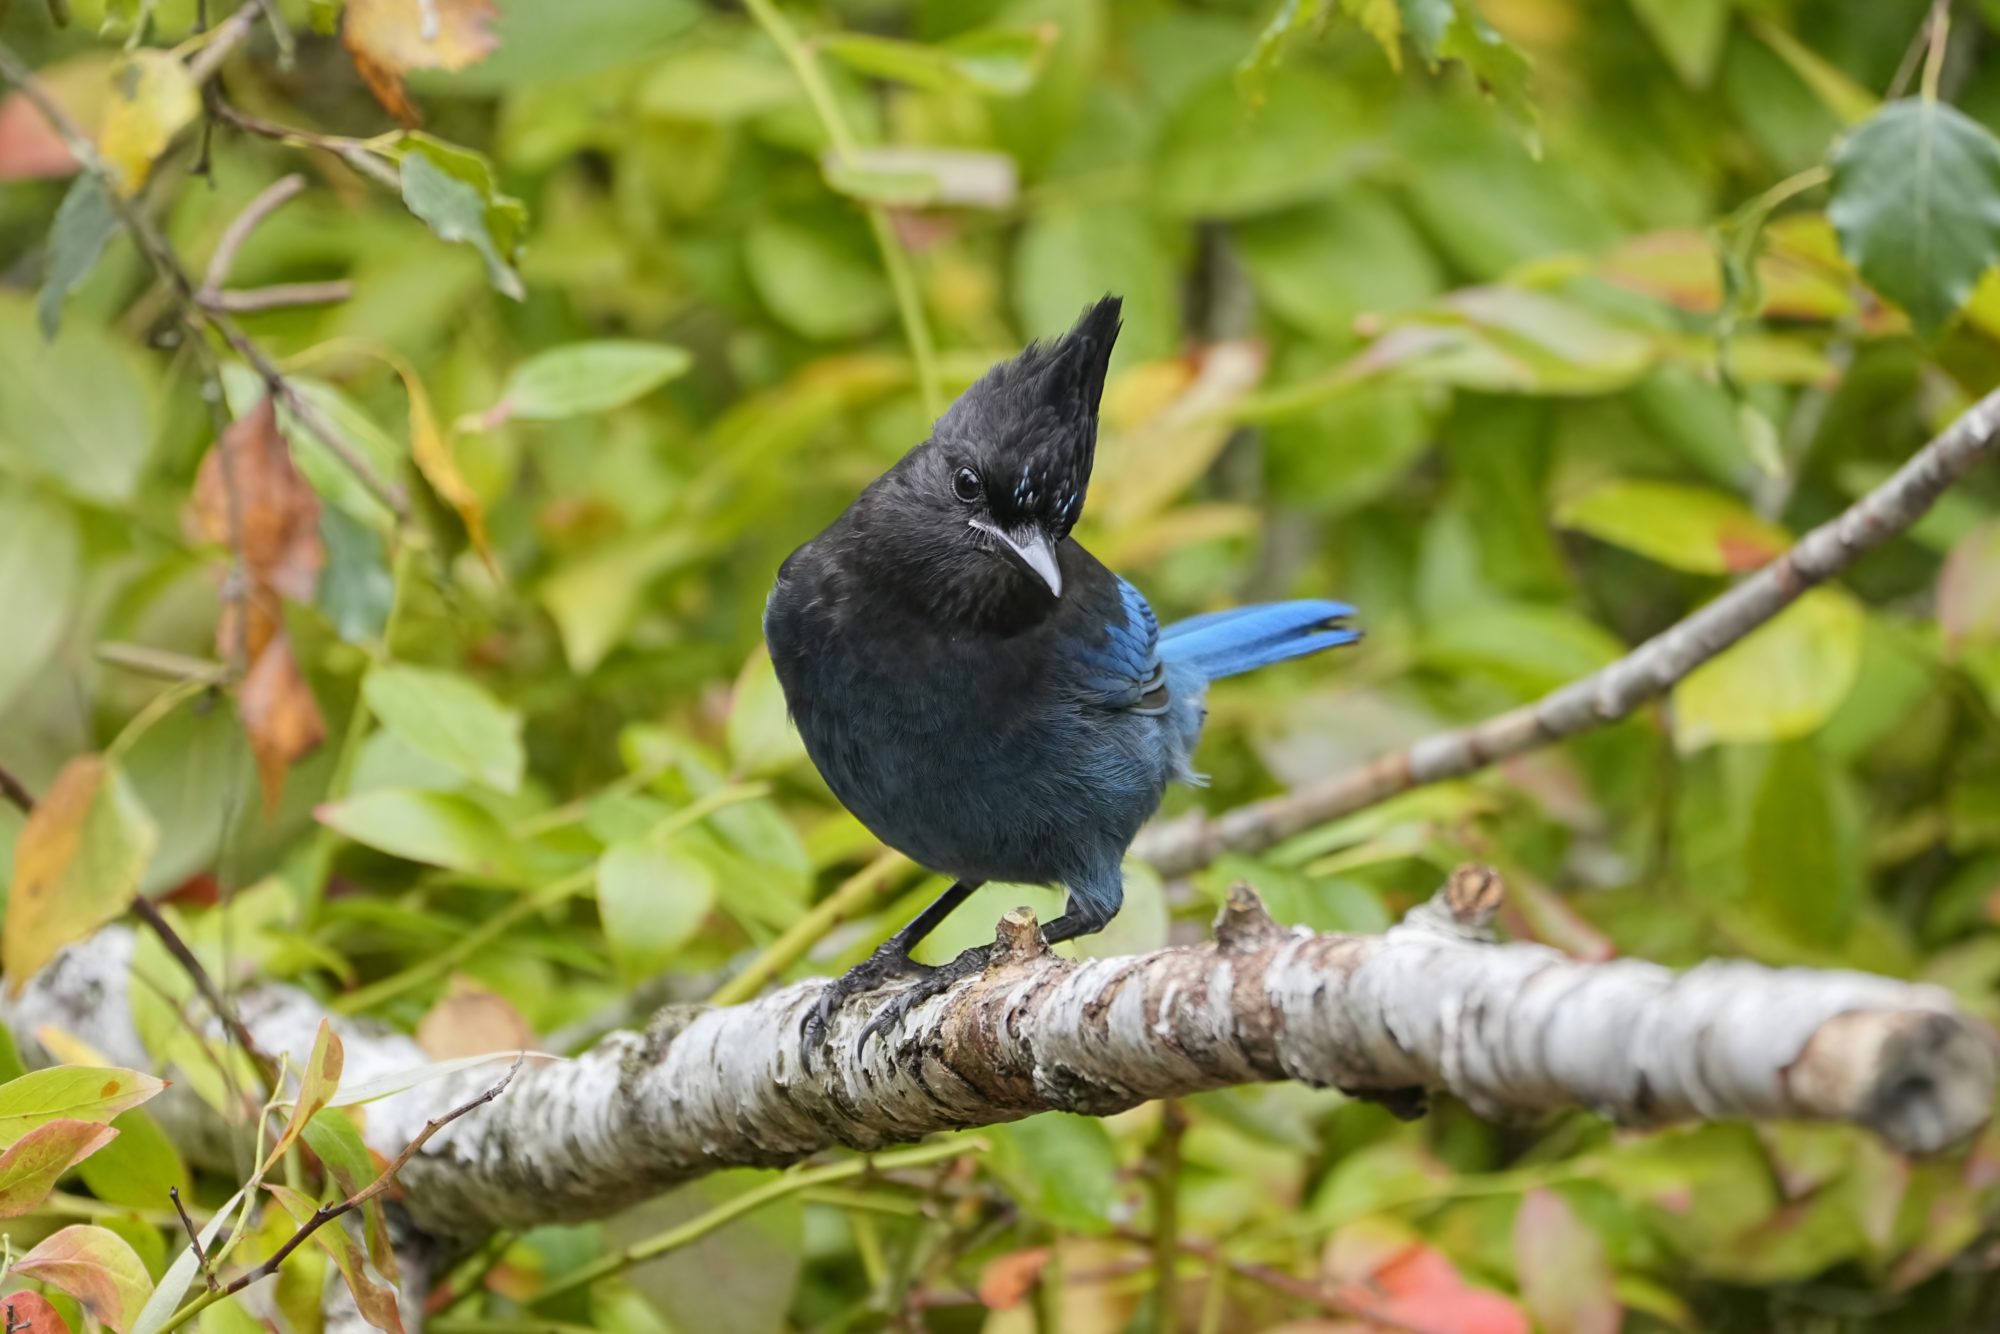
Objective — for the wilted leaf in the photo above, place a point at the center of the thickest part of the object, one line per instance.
(455, 194)
(1007, 1280)
(280, 716)
(1782, 680)
(249, 492)
(389, 38)
(318, 1082)
(84, 223)
(31, 1166)
(70, 1092)
(432, 827)
(469, 1020)
(152, 97)
(1916, 202)
(31, 1311)
(1002, 62)
(375, 1300)
(97, 1267)
(450, 720)
(652, 898)
(76, 865)
(1685, 527)
(582, 378)
(1566, 1278)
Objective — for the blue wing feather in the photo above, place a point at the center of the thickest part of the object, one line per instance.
(1242, 639)
(1119, 672)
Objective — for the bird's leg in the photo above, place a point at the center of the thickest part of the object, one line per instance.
(890, 960)
(1087, 914)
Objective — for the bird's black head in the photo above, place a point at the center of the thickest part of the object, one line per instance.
(980, 512)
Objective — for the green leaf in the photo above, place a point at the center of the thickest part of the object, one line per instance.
(762, 739)
(76, 866)
(999, 62)
(1065, 258)
(1916, 203)
(431, 827)
(31, 1166)
(1452, 30)
(318, 1082)
(336, 1141)
(85, 222)
(40, 569)
(98, 1268)
(1218, 158)
(818, 280)
(1326, 264)
(1689, 33)
(330, 478)
(1781, 681)
(1800, 856)
(80, 411)
(139, 1167)
(1841, 95)
(70, 1093)
(653, 898)
(716, 84)
(1968, 590)
(1685, 527)
(375, 1300)
(451, 720)
(1061, 1169)
(356, 587)
(581, 378)
(455, 193)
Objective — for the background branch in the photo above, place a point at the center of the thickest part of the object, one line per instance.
(1649, 671)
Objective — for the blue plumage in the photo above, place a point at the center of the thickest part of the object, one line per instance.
(979, 690)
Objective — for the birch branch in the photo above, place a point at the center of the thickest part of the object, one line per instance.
(1189, 842)
(1431, 1004)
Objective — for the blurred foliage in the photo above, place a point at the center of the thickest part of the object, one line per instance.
(1524, 326)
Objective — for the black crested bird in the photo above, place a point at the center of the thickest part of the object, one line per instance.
(984, 695)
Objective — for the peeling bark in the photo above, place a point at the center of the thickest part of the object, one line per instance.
(1188, 842)
(1431, 1004)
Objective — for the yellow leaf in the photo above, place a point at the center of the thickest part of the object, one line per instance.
(152, 97)
(317, 1086)
(1782, 681)
(76, 866)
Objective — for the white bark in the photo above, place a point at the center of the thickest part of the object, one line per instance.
(1649, 671)
(1431, 1004)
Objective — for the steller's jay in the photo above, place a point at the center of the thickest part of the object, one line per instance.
(983, 694)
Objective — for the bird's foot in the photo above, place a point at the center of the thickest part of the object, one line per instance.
(969, 964)
(885, 965)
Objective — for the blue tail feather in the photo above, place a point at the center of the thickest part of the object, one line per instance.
(1242, 639)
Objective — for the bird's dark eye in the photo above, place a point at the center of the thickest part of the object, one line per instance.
(965, 485)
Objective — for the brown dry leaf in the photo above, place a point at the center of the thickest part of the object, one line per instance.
(389, 38)
(280, 715)
(472, 1021)
(279, 517)
(1007, 1280)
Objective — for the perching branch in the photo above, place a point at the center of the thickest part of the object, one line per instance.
(1649, 671)
(1430, 1004)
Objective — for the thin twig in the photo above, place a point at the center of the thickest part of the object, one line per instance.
(268, 201)
(280, 296)
(326, 1213)
(16, 792)
(1178, 846)
(162, 663)
(145, 910)
(354, 152)
(228, 35)
(193, 1236)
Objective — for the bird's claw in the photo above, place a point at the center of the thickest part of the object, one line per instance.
(885, 965)
(935, 981)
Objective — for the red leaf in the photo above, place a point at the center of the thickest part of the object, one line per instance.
(1418, 1289)
(97, 1267)
(1006, 1281)
(31, 1312)
(30, 1169)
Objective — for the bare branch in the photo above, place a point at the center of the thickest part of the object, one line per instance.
(194, 1237)
(280, 296)
(1430, 1004)
(1649, 671)
(268, 201)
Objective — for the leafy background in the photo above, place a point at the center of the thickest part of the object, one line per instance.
(1525, 338)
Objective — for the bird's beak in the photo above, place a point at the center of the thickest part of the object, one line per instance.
(1034, 548)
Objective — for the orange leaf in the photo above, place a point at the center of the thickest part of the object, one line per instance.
(280, 715)
(97, 1267)
(31, 1311)
(389, 38)
(1417, 1288)
(276, 515)
(1006, 1281)
(77, 864)
(29, 1170)
(471, 1021)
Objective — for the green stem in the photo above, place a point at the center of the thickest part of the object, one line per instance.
(895, 260)
(157, 708)
(435, 966)
(1167, 1218)
(854, 894)
(790, 1183)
